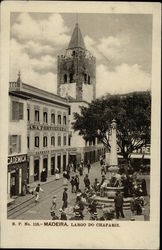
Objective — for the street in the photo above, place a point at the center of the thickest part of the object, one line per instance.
(41, 209)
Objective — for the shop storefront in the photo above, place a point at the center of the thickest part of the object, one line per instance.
(17, 174)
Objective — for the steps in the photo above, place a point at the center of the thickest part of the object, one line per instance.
(109, 202)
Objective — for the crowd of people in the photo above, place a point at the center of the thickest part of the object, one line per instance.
(85, 204)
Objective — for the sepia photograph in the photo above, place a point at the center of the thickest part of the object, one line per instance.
(80, 104)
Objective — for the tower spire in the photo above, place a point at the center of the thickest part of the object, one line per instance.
(76, 39)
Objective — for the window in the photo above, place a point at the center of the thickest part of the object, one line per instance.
(89, 80)
(69, 142)
(28, 142)
(53, 118)
(36, 115)
(65, 78)
(64, 140)
(52, 141)
(45, 141)
(71, 77)
(59, 119)
(59, 140)
(45, 115)
(73, 53)
(17, 110)
(14, 144)
(37, 141)
(64, 120)
(28, 114)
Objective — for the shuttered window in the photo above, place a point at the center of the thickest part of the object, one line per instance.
(59, 140)
(64, 140)
(14, 144)
(52, 141)
(45, 141)
(17, 110)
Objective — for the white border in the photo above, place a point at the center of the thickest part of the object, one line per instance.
(130, 235)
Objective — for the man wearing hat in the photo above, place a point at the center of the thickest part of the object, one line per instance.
(65, 199)
(63, 214)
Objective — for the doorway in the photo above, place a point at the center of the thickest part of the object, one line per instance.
(36, 170)
(59, 163)
(64, 162)
(45, 165)
(53, 165)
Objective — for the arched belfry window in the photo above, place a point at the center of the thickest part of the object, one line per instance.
(65, 78)
(73, 53)
(71, 77)
(85, 78)
(89, 80)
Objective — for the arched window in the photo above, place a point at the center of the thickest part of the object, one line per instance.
(73, 53)
(44, 141)
(53, 118)
(71, 77)
(65, 78)
(59, 119)
(89, 80)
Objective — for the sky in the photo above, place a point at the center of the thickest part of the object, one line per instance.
(121, 43)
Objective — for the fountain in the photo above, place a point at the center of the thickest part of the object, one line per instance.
(113, 183)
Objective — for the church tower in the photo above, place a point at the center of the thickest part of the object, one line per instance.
(76, 70)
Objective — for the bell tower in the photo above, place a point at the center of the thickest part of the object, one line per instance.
(76, 70)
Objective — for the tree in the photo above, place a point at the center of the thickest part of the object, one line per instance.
(132, 113)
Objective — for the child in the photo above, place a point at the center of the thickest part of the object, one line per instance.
(53, 203)
(37, 190)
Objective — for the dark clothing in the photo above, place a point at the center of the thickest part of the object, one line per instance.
(93, 207)
(65, 198)
(119, 205)
(81, 170)
(86, 182)
(43, 176)
(88, 166)
(63, 216)
(72, 184)
(77, 183)
(144, 188)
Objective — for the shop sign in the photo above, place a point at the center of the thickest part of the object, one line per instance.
(17, 159)
(46, 127)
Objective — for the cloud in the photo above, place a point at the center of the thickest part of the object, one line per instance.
(111, 49)
(36, 49)
(50, 31)
(123, 79)
(30, 68)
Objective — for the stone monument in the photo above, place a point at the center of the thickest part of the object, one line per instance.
(113, 154)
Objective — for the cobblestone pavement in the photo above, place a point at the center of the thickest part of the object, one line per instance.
(41, 210)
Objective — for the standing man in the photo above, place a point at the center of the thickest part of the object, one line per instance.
(77, 183)
(86, 181)
(37, 190)
(72, 184)
(119, 205)
(88, 166)
(65, 199)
